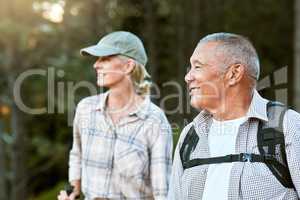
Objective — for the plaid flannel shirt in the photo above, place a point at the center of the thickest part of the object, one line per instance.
(248, 181)
(130, 160)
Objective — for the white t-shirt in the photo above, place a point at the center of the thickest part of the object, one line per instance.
(221, 141)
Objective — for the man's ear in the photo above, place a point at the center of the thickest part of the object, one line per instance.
(130, 64)
(235, 74)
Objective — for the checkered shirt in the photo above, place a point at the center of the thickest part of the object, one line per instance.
(248, 181)
(130, 160)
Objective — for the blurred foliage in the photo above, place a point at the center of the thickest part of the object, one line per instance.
(170, 30)
(50, 194)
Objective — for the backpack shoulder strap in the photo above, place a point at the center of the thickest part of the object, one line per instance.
(188, 146)
(271, 143)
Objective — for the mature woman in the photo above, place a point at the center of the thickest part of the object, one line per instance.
(122, 143)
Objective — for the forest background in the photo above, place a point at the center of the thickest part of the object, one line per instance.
(42, 75)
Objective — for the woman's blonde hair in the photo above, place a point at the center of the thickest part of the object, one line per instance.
(139, 76)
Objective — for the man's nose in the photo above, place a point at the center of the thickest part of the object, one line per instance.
(188, 77)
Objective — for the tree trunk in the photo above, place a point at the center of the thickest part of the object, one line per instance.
(17, 148)
(182, 54)
(296, 73)
(195, 22)
(18, 181)
(3, 181)
(150, 35)
(181, 41)
(98, 23)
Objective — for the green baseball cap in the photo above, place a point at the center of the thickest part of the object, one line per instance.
(118, 43)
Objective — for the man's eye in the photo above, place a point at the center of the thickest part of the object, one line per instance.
(198, 67)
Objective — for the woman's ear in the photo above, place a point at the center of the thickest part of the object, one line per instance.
(129, 66)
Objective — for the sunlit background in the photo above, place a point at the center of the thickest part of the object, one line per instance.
(47, 36)
(51, 11)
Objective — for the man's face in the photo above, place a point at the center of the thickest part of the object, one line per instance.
(110, 71)
(205, 79)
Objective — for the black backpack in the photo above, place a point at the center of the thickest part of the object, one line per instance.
(271, 145)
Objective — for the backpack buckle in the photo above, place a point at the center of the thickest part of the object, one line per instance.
(245, 157)
(268, 157)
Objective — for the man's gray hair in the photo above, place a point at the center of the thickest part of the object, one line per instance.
(236, 49)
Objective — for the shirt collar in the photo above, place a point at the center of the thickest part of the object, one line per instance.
(142, 111)
(102, 98)
(258, 107)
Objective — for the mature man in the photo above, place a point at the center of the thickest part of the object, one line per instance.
(240, 146)
(122, 143)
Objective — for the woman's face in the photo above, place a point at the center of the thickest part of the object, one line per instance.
(111, 71)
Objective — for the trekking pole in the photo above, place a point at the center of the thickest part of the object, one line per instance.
(69, 189)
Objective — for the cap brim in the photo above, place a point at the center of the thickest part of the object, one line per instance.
(98, 51)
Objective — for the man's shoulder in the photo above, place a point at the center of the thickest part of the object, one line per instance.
(184, 132)
(291, 118)
(186, 129)
(293, 114)
(291, 124)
